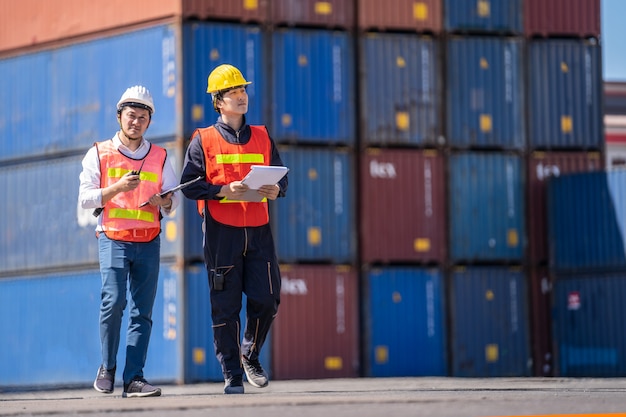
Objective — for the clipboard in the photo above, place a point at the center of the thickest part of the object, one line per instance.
(172, 190)
(258, 176)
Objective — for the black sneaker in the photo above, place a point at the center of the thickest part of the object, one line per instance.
(255, 372)
(234, 385)
(139, 387)
(105, 380)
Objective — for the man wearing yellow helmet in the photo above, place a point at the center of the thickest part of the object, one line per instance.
(238, 244)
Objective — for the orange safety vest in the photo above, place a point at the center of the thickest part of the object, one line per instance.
(122, 218)
(226, 162)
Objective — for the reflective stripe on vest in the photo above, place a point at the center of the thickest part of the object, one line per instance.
(122, 218)
(226, 162)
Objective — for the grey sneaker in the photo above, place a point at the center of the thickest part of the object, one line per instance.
(139, 387)
(254, 372)
(105, 380)
(234, 385)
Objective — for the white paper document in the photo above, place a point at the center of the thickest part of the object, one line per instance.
(260, 175)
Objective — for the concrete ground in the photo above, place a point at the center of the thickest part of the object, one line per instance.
(363, 397)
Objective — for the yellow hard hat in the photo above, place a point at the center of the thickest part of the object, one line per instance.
(224, 77)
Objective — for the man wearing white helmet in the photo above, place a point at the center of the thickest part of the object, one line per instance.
(238, 244)
(118, 175)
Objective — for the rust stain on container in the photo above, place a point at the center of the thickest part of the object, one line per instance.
(562, 17)
(421, 16)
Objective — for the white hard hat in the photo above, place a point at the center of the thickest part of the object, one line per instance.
(136, 96)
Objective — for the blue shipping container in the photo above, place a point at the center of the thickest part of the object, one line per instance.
(406, 322)
(483, 16)
(565, 94)
(486, 198)
(587, 221)
(315, 221)
(485, 93)
(51, 335)
(64, 99)
(400, 89)
(489, 323)
(208, 45)
(313, 87)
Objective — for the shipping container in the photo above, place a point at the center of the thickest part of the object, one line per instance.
(51, 333)
(540, 288)
(589, 312)
(403, 206)
(404, 15)
(64, 99)
(483, 16)
(337, 14)
(400, 87)
(45, 211)
(579, 18)
(247, 11)
(316, 332)
(564, 94)
(489, 330)
(200, 363)
(405, 314)
(316, 221)
(485, 100)
(587, 221)
(541, 167)
(486, 207)
(313, 87)
(208, 45)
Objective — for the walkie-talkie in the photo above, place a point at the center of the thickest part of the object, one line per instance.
(98, 211)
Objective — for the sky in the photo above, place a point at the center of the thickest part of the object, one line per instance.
(613, 40)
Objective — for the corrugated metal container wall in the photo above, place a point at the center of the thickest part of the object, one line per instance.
(239, 10)
(485, 93)
(34, 22)
(541, 167)
(319, 66)
(589, 336)
(562, 17)
(420, 16)
(315, 221)
(565, 93)
(208, 45)
(540, 306)
(52, 220)
(486, 207)
(587, 221)
(400, 89)
(51, 336)
(489, 323)
(65, 99)
(405, 322)
(201, 365)
(316, 331)
(328, 13)
(403, 204)
(481, 16)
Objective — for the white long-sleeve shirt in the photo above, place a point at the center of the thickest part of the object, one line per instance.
(90, 193)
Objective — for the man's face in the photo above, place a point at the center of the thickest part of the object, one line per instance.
(134, 122)
(234, 102)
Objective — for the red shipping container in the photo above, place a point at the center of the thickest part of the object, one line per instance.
(315, 334)
(402, 203)
(540, 284)
(420, 16)
(541, 166)
(327, 13)
(579, 18)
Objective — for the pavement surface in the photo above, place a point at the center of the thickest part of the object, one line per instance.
(363, 397)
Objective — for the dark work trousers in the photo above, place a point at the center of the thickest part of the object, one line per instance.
(246, 258)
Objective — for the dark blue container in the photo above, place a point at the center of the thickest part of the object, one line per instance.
(400, 89)
(485, 104)
(313, 87)
(486, 200)
(64, 99)
(489, 332)
(405, 322)
(315, 222)
(588, 324)
(208, 45)
(482, 16)
(587, 221)
(565, 94)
